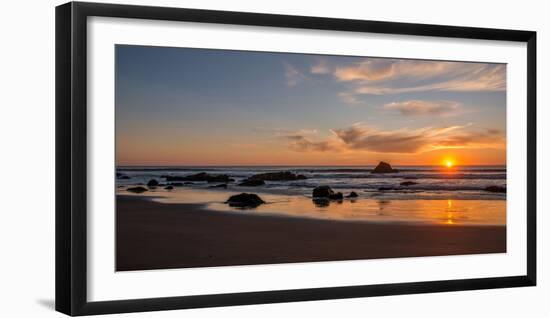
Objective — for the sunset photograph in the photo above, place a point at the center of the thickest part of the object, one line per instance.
(228, 157)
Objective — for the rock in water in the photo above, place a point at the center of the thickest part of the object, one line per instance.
(352, 194)
(169, 187)
(137, 189)
(152, 183)
(201, 176)
(278, 176)
(384, 167)
(322, 192)
(245, 200)
(336, 196)
(408, 183)
(252, 183)
(497, 189)
(326, 192)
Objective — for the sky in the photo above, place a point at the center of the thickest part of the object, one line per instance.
(187, 106)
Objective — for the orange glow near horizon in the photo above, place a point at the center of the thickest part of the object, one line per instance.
(449, 162)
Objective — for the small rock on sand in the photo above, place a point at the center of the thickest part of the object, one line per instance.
(322, 192)
(245, 200)
(326, 192)
(137, 189)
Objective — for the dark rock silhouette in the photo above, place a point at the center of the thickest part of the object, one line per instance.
(201, 176)
(252, 183)
(278, 176)
(497, 189)
(175, 184)
(322, 192)
(384, 167)
(408, 183)
(137, 189)
(337, 196)
(168, 187)
(245, 200)
(152, 183)
(385, 189)
(352, 194)
(326, 192)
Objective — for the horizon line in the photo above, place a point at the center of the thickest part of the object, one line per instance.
(301, 165)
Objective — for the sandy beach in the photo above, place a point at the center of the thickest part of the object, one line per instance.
(152, 235)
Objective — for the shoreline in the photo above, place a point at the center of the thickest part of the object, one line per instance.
(380, 209)
(154, 235)
(207, 206)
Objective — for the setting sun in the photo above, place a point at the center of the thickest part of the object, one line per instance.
(448, 162)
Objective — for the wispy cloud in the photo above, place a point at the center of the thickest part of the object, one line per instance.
(419, 75)
(300, 139)
(421, 107)
(380, 76)
(360, 137)
(322, 67)
(293, 75)
(282, 132)
(303, 143)
(350, 98)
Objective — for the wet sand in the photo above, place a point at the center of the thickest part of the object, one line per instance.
(151, 235)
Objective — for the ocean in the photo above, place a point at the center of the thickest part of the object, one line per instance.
(431, 182)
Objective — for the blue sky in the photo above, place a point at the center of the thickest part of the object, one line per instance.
(186, 106)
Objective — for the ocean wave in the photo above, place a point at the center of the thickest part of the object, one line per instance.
(495, 176)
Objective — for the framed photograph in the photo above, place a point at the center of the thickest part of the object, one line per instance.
(208, 158)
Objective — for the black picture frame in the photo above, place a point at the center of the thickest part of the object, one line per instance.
(71, 157)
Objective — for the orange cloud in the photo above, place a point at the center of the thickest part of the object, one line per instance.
(293, 75)
(420, 107)
(405, 141)
(380, 76)
(322, 67)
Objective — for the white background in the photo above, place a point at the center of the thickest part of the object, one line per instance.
(27, 136)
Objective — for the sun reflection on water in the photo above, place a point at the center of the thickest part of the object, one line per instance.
(449, 211)
(363, 208)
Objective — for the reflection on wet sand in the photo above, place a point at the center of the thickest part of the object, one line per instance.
(449, 212)
(381, 205)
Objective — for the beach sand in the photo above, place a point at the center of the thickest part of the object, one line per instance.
(152, 235)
